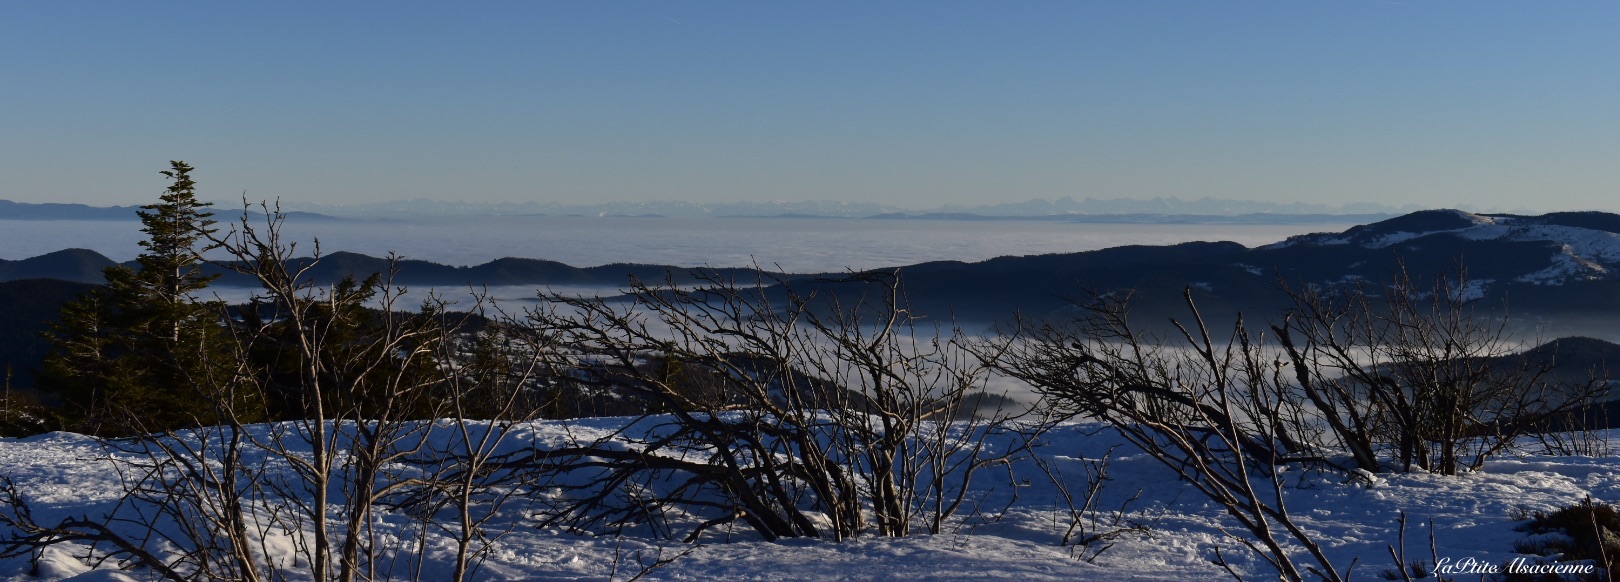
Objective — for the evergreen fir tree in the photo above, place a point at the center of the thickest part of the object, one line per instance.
(144, 353)
(164, 289)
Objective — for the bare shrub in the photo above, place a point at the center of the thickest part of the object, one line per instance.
(1222, 415)
(1407, 377)
(355, 387)
(1423, 373)
(463, 489)
(1091, 529)
(795, 416)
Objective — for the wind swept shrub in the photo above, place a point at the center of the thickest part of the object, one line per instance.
(1221, 414)
(1424, 374)
(799, 416)
(1405, 378)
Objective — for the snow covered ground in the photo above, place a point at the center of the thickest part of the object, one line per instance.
(1014, 531)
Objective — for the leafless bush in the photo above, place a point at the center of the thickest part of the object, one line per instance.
(1092, 529)
(1415, 377)
(797, 415)
(356, 387)
(361, 380)
(29, 537)
(1222, 415)
(493, 383)
(1582, 433)
(1408, 569)
(1422, 372)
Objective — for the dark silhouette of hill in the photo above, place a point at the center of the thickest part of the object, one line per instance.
(80, 265)
(1576, 360)
(86, 266)
(506, 271)
(1559, 270)
(29, 307)
(1603, 221)
(1556, 267)
(1573, 358)
(1133, 218)
(56, 211)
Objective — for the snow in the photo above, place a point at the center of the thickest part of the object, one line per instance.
(1013, 530)
(1475, 223)
(1596, 245)
(1582, 253)
(1564, 267)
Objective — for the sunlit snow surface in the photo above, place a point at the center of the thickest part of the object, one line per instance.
(793, 245)
(1472, 515)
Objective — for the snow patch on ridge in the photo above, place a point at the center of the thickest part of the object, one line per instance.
(1581, 253)
(1395, 230)
(1478, 222)
(1565, 267)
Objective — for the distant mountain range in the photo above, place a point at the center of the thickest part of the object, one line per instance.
(59, 211)
(1559, 266)
(55, 211)
(86, 266)
(1142, 218)
(1559, 273)
(1089, 209)
(844, 209)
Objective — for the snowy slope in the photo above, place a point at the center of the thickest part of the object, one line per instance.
(1014, 534)
(1582, 250)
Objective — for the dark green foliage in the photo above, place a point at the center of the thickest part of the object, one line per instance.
(499, 372)
(357, 367)
(86, 368)
(171, 268)
(142, 353)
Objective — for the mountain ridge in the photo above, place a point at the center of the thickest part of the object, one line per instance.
(1554, 265)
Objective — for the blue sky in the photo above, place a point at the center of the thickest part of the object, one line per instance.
(1488, 104)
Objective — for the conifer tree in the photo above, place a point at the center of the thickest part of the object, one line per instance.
(144, 352)
(164, 289)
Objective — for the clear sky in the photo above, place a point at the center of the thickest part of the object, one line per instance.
(1496, 104)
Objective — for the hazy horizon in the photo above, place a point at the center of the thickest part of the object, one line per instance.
(794, 246)
(1503, 105)
(1068, 205)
